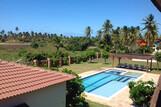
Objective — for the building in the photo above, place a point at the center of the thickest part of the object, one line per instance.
(24, 86)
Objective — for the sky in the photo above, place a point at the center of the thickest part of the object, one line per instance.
(71, 17)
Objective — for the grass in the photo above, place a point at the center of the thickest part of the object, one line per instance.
(83, 67)
(93, 104)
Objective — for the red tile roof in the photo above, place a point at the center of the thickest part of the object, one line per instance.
(16, 79)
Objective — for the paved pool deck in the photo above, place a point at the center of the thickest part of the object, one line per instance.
(120, 99)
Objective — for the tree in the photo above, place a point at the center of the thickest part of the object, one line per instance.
(107, 27)
(141, 92)
(150, 26)
(74, 91)
(99, 35)
(116, 39)
(57, 42)
(125, 37)
(88, 31)
(134, 35)
(105, 55)
(16, 29)
(106, 32)
(158, 58)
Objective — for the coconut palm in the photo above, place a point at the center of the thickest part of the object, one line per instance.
(57, 42)
(99, 35)
(16, 29)
(150, 26)
(125, 36)
(107, 27)
(134, 35)
(116, 39)
(88, 31)
(106, 32)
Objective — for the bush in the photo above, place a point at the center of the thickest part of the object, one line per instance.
(158, 58)
(105, 55)
(141, 92)
(38, 56)
(22, 53)
(74, 91)
(90, 54)
(34, 45)
(78, 59)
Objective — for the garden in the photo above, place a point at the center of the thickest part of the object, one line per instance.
(78, 54)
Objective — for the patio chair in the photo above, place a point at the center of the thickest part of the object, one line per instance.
(142, 68)
(125, 65)
(136, 66)
(129, 66)
(119, 65)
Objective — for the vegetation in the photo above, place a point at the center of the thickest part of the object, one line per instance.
(93, 104)
(105, 55)
(74, 91)
(83, 49)
(151, 29)
(158, 58)
(141, 92)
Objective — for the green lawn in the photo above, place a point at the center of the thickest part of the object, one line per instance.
(93, 104)
(83, 67)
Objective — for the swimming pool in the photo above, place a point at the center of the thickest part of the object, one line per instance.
(108, 82)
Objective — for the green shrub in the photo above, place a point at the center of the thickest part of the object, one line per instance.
(78, 59)
(90, 54)
(34, 45)
(105, 55)
(38, 56)
(22, 53)
(74, 91)
(158, 58)
(141, 92)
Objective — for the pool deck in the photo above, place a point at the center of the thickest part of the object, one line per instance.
(121, 98)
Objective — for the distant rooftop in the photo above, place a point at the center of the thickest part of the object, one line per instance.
(16, 79)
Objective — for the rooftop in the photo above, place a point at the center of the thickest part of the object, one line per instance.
(16, 79)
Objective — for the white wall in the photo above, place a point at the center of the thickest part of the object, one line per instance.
(52, 96)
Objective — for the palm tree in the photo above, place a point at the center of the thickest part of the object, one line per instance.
(125, 31)
(107, 27)
(106, 32)
(150, 26)
(16, 29)
(116, 39)
(99, 35)
(2, 32)
(134, 35)
(57, 42)
(88, 31)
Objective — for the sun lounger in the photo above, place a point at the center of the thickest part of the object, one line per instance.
(136, 66)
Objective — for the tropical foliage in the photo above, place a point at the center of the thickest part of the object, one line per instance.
(141, 92)
(74, 91)
(112, 39)
(158, 58)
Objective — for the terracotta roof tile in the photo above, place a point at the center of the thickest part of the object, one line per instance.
(16, 79)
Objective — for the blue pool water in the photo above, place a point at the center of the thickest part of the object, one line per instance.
(107, 83)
